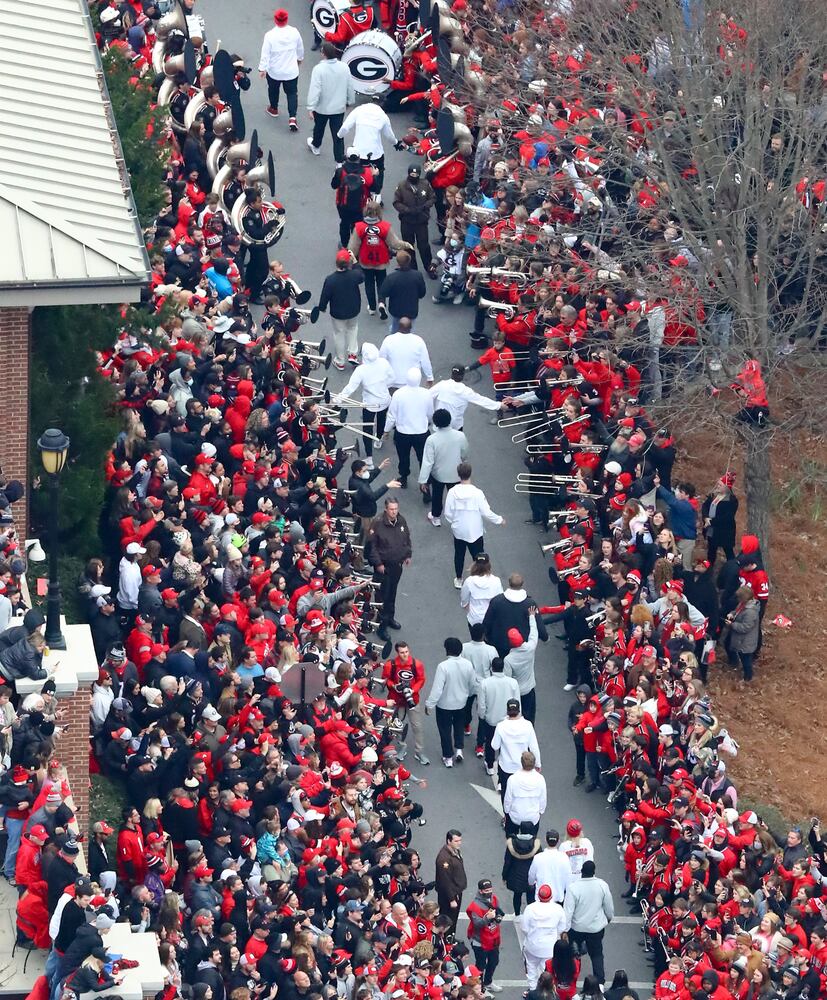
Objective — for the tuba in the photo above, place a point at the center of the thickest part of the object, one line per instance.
(262, 174)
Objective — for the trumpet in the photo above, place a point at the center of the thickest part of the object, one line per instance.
(497, 307)
(559, 546)
(597, 618)
(567, 516)
(318, 344)
(316, 360)
(481, 216)
(293, 290)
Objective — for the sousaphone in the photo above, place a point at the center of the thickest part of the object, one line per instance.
(261, 174)
(184, 63)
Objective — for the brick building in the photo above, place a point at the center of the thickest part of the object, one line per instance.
(70, 232)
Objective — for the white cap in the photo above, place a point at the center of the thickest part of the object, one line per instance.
(211, 714)
(369, 755)
(352, 151)
(231, 518)
(666, 730)
(209, 449)
(133, 549)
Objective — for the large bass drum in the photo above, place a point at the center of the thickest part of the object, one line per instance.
(324, 14)
(373, 59)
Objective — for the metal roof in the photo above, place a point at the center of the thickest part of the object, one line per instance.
(67, 217)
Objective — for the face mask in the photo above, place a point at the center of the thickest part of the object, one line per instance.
(364, 474)
(454, 244)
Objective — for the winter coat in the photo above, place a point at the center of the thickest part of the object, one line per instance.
(413, 202)
(22, 660)
(510, 610)
(721, 531)
(519, 854)
(746, 628)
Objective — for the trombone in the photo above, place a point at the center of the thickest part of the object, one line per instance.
(555, 449)
(527, 477)
(533, 383)
(521, 418)
(316, 360)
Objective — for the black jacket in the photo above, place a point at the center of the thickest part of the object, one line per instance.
(504, 614)
(363, 500)
(22, 660)
(341, 292)
(402, 290)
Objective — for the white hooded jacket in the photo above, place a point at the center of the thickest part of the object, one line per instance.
(411, 407)
(373, 377)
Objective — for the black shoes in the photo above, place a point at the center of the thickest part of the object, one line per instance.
(394, 624)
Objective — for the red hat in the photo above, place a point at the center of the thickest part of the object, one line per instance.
(149, 570)
(289, 965)
(157, 648)
(215, 400)
(287, 620)
(749, 818)
(317, 583)
(625, 479)
(280, 16)
(154, 838)
(199, 516)
(289, 445)
(39, 832)
(750, 544)
(676, 585)
(248, 467)
(618, 501)
(227, 609)
(648, 651)
(634, 574)
(202, 459)
(728, 478)
(248, 958)
(637, 439)
(574, 828)
(343, 257)
(155, 502)
(544, 893)
(488, 234)
(544, 161)
(19, 775)
(202, 870)
(260, 518)
(169, 594)
(240, 804)
(515, 637)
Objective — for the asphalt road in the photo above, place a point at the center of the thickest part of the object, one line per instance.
(428, 608)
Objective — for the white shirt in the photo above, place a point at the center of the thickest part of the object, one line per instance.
(525, 797)
(578, 853)
(331, 88)
(281, 52)
(551, 867)
(455, 397)
(512, 737)
(454, 683)
(405, 351)
(370, 125)
(465, 510)
(542, 925)
(129, 583)
(410, 410)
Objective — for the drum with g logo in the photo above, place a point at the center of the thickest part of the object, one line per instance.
(324, 14)
(373, 59)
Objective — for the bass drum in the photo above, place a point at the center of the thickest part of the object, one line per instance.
(374, 60)
(324, 15)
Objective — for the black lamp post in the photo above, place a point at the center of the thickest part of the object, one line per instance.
(54, 447)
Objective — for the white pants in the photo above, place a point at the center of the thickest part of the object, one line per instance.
(534, 965)
(345, 337)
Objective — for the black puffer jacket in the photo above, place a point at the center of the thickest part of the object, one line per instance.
(22, 660)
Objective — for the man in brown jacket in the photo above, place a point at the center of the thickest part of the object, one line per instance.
(450, 877)
(388, 549)
(413, 200)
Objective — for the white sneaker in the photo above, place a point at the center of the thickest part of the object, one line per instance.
(369, 463)
(490, 771)
(494, 988)
(568, 687)
(448, 761)
(312, 148)
(338, 364)
(371, 312)
(435, 521)
(459, 756)
(457, 583)
(377, 445)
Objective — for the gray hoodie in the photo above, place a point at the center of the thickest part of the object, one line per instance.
(519, 663)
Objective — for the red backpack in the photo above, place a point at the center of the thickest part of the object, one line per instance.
(373, 250)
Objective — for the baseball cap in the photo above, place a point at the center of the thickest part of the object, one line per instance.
(39, 832)
(280, 16)
(134, 549)
(343, 257)
(169, 594)
(102, 827)
(485, 884)
(544, 893)
(211, 714)
(414, 171)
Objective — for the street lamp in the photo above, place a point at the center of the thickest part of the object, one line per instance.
(54, 447)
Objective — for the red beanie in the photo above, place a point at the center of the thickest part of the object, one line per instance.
(750, 543)
(515, 637)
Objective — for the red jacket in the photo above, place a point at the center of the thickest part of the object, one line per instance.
(33, 916)
(390, 673)
(131, 863)
(352, 22)
(28, 868)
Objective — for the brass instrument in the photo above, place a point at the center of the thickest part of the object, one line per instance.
(597, 618)
(567, 516)
(522, 418)
(533, 431)
(525, 477)
(497, 307)
(316, 361)
(482, 216)
(547, 489)
(293, 290)
(558, 546)
(318, 345)
(551, 449)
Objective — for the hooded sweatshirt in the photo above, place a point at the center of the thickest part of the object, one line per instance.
(180, 390)
(373, 377)
(476, 595)
(411, 407)
(519, 663)
(467, 510)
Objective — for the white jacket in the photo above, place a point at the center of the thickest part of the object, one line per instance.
(405, 351)
(511, 738)
(370, 124)
(525, 797)
(411, 407)
(281, 52)
(495, 692)
(542, 924)
(455, 396)
(373, 377)
(476, 595)
(466, 509)
(551, 867)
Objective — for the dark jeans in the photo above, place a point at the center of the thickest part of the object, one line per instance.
(580, 758)
(502, 777)
(486, 734)
(528, 702)
(460, 545)
(746, 664)
(291, 92)
(374, 276)
(388, 585)
(594, 946)
(374, 424)
(334, 122)
(378, 179)
(487, 960)
(347, 220)
(404, 443)
(593, 766)
(416, 233)
(518, 899)
(451, 725)
(438, 490)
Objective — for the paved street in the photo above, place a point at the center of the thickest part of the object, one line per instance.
(429, 607)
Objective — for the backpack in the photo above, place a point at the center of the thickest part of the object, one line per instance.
(373, 250)
(351, 192)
